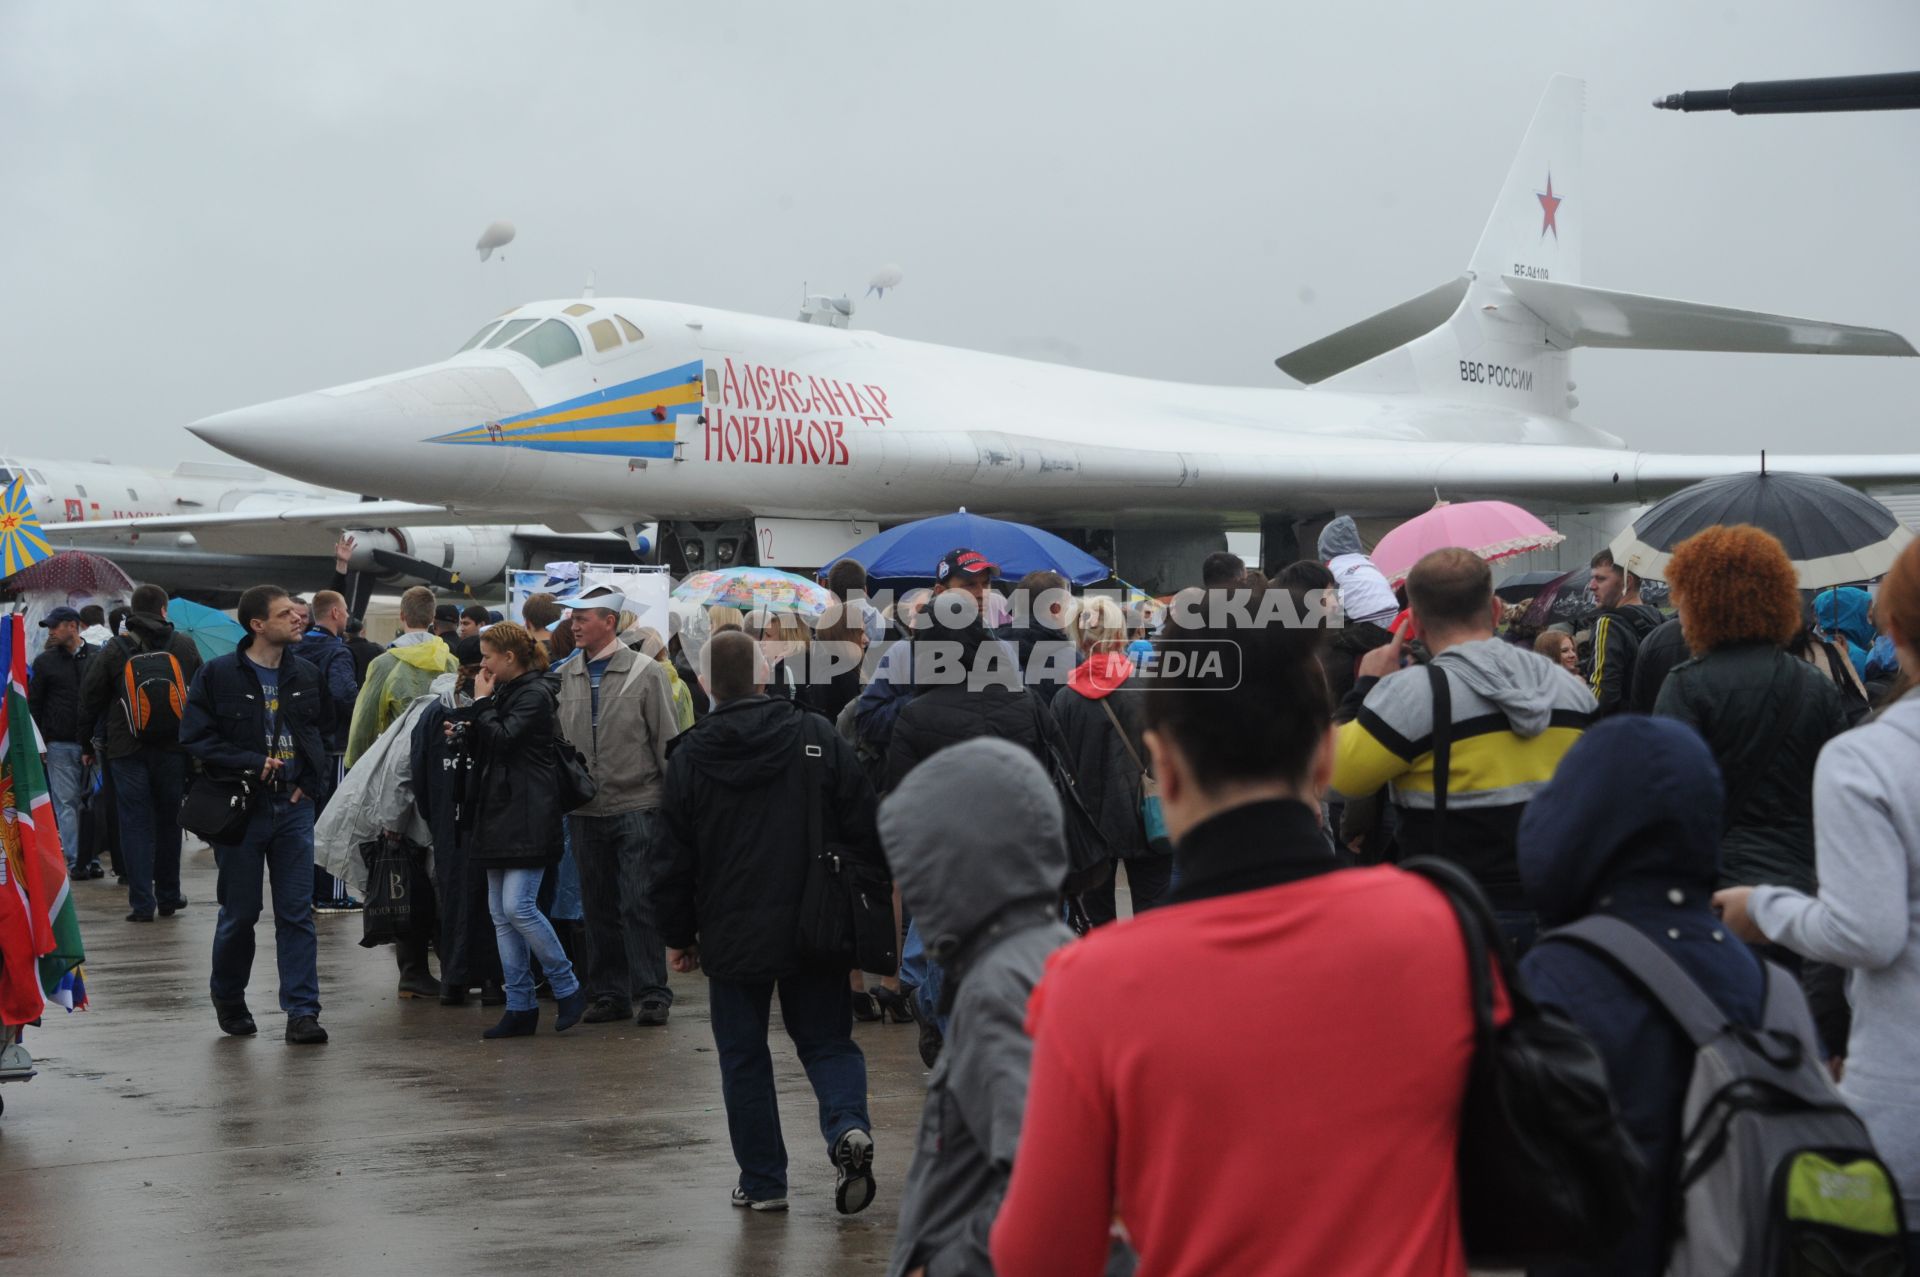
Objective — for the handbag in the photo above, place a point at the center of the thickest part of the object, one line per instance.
(387, 917)
(217, 808)
(1546, 1169)
(1089, 854)
(846, 907)
(576, 784)
(1152, 820)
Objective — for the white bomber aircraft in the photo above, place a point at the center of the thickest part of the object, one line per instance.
(599, 413)
(248, 526)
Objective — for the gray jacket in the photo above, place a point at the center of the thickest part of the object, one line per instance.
(1866, 811)
(627, 750)
(985, 895)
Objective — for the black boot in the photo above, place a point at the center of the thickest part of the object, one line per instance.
(416, 981)
(515, 1024)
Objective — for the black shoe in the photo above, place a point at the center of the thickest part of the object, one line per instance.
(95, 870)
(653, 1013)
(865, 1008)
(305, 1030)
(419, 986)
(170, 907)
(606, 1011)
(492, 994)
(894, 1005)
(568, 1010)
(931, 1039)
(453, 995)
(235, 1018)
(853, 1190)
(137, 916)
(515, 1024)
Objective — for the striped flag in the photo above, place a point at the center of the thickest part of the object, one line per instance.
(39, 931)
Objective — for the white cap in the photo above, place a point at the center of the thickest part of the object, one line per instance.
(599, 596)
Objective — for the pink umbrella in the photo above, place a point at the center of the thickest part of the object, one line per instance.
(1491, 529)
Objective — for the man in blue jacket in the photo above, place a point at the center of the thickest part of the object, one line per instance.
(256, 712)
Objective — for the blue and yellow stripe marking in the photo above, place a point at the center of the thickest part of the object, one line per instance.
(618, 421)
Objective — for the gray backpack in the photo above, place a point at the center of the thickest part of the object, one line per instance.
(1776, 1175)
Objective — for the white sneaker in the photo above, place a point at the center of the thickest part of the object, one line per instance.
(740, 1198)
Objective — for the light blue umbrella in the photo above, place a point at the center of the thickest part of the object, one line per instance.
(212, 631)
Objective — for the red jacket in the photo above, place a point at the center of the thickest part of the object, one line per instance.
(1262, 1077)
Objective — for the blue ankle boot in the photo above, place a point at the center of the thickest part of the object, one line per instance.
(568, 1010)
(515, 1024)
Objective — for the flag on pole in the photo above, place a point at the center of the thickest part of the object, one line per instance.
(21, 543)
(40, 951)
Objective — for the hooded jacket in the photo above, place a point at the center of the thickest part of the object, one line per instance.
(1515, 715)
(985, 895)
(100, 686)
(1630, 827)
(1734, 696)
(1866, 919)
(395, 680)
(1617, 636)
(1104, 772)
(1364, 592)
(734, 839)
(1845, 613)
(328, 653)
(966, 689)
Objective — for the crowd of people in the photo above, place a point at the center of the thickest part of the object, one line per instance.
(588, 807)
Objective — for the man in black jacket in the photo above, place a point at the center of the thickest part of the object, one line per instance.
(149, 772)
(1042, 601)
(255, 713)
(734, 862)
(53, 694)
(1622, 625)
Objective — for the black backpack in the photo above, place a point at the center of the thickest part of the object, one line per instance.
(152, 694)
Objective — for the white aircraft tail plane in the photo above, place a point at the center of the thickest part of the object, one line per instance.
(1509, 321)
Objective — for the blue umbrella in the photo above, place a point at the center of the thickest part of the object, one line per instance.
(912, 550)
(212, 631)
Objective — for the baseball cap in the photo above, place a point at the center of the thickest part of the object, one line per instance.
(601, 596)
(59, 614)
(964, 562)
(447, 614)
(356, 626)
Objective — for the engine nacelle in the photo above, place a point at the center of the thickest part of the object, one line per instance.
(479, 555)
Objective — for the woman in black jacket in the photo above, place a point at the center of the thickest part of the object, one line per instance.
(510, 819)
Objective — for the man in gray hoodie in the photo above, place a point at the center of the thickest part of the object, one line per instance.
(986, 894)
(1511, 716)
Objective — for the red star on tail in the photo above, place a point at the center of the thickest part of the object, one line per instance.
(1549, 206)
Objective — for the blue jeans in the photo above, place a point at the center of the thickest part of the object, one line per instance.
(567, 903)
(626, 959)
(278, 843)
(147, 787)
(818, 1011)
(921, 977)
(67, 782)
(519, 928)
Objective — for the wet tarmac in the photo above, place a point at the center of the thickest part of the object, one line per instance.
(151, 1142)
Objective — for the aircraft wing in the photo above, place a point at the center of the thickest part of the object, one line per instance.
(355, 514)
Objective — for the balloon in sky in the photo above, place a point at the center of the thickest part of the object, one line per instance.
(498, 235)
(883, 279)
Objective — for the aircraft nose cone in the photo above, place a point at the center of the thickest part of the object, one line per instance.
(266, 435)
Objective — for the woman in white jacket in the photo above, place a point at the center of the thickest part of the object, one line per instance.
(1866, 806)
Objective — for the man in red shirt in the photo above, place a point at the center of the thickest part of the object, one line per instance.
(1265, 1076)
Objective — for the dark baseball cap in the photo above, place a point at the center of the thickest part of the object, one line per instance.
(964, 562)
(59, 614)
(447, 614)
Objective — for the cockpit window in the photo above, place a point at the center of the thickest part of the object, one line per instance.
(477, 338)
(633, 334)
(508, 331)
(604, 335)
(550, 343)
(578, 309)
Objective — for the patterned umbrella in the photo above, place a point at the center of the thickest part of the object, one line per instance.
(21, 545)
(70, 572)
(750, 588)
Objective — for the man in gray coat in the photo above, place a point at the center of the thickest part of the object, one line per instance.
(986, 894)
(616, 708)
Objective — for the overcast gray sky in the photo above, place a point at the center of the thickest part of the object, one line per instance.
(207, 205)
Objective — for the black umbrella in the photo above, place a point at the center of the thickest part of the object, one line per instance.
(1833, 534)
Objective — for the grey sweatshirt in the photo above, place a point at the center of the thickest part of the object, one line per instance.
(1866, 809)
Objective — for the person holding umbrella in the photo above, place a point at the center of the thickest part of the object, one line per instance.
(1765, 715)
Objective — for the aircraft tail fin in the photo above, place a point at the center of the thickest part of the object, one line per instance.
(1499, 335)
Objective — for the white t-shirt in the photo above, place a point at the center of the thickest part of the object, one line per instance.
(1364, 592)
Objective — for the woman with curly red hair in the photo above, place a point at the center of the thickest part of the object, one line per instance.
(1765, 714)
